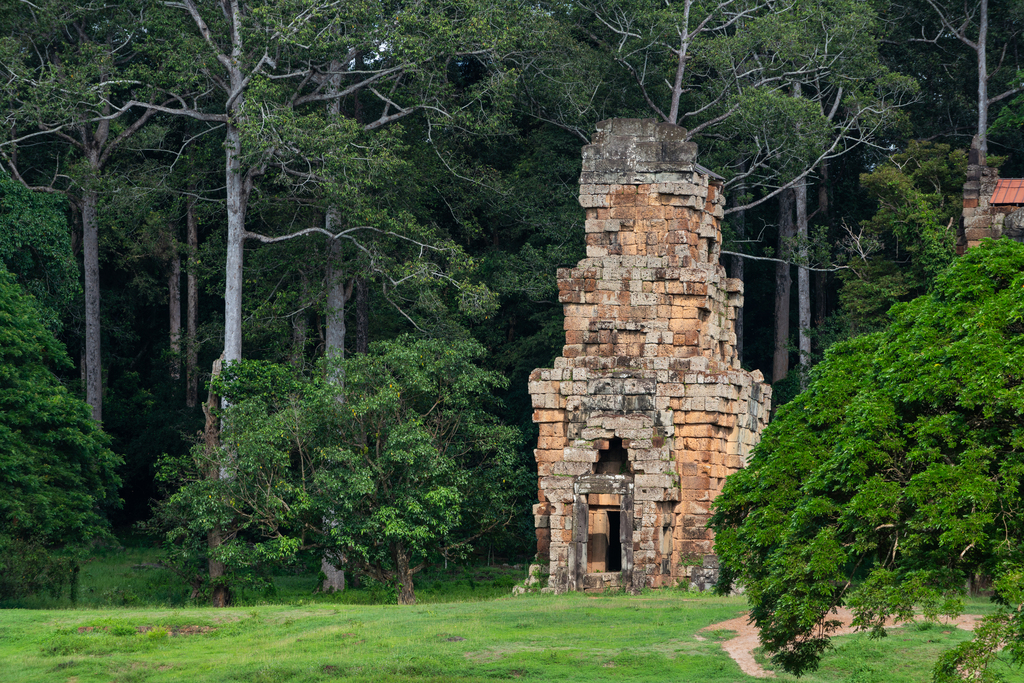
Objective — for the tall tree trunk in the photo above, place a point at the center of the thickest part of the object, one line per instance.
(191, 349)
(220, 593)
(406, 591)
(738, 273)
(738, 266)
(780, 360)
(237, 185)
(980, 50)
(362, 316)
(334, 342)
(803, 282)
(174, 308)
(820, 296)
(803, 274)
(300, 326)
(336, 299)
(337, 296)
(236, 197)
(91, 263)
(821, 277)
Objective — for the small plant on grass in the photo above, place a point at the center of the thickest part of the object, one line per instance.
(536, 580)
(721, 634)
(381, 593)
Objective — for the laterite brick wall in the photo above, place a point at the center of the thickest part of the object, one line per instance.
(648, 367)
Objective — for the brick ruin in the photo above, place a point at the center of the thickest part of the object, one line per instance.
(988, 212)
(647, 410)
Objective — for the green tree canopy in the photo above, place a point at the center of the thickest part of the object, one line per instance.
(57, 475)
(35, 246)
(402, 464)
(897, 253)
(896, 476)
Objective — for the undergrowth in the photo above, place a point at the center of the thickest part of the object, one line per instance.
(132, 574)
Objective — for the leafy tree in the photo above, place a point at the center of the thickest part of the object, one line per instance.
(273, 67)
(896, 477)
(57, 475)
(409, 466)
(897, 254)
(1012, 115)
(770, 90)
(954, 29)
(36, 248)
(65, 65)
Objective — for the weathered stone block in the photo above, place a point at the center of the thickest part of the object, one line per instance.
(655, 480)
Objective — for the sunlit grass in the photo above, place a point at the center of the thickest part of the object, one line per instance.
(535, 637)
(527, 638)
(134, 622)
(906, 655)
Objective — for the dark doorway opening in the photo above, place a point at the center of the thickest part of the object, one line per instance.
(612, 460)
(614, 557)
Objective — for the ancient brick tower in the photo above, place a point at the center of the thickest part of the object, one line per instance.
(647, 411)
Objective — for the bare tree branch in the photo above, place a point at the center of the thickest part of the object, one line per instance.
(779, 260)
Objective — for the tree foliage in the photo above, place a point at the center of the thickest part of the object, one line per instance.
(896, 477)
(57, 473)
(401, 465)
(35, 248)
(57, 476)
(896, 254)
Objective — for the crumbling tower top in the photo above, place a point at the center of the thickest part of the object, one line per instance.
(637, 151)
(650, 206)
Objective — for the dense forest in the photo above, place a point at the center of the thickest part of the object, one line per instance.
(339, 225)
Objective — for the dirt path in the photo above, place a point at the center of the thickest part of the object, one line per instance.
(741, 648)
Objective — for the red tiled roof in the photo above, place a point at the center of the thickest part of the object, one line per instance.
(1008, 191)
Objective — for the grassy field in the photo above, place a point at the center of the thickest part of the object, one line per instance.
(466, 629)
(527, 638)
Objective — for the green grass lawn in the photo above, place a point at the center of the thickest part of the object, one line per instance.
(906, 654)
(134, 621)
(527, 638)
